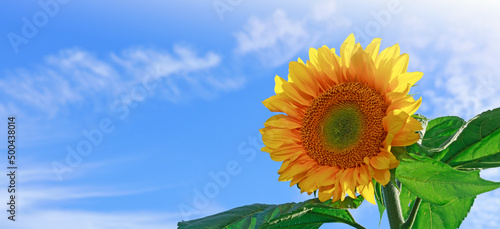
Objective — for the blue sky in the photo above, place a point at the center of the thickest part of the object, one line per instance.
(170, 94)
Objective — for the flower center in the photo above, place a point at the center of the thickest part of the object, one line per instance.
(343, 125)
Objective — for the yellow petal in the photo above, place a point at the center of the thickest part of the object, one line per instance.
(383, 75)
(281, 104)
(407, 136)
(297, 167)
(393, 162)
(278, 136)
(279, 82)
(348, 183)
(373, 48)
(295, 95)
(368, 192)
(313, 56)
(288, 150)
(363, 176)
(330, 65)
(382, 176)
(324, 83)
(337, 194)
(283, 121)
(380, 162)
(362, 69)
(300, 61)
(346, 50)
(284, 166)
(324, 196)
(400, 82)
(308, 184)
(298, 178)
(406, 104)
(328, 175)
(394, 95)
(405, 140)
(388, 54)
(394, 121)
(400, 65)
(303, 78)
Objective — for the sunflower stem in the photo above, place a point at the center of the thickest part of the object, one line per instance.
(411, 218)
(391, 196)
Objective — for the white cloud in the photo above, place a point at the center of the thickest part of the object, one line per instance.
(37, 203)
(278, 38)
(275, 41)
(42, 195)
(65, 78)
(74, 77)
(41, 184)
(458, 57)
(468, 77)
(323, 11)
(137, 60)
(34, 173)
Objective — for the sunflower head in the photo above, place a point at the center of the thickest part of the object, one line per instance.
(341, 116)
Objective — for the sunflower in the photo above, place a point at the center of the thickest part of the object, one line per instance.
(342, 115)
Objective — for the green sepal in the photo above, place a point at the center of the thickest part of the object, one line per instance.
(380, 199)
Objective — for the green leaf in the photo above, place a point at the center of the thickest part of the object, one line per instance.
(438, 183)
(491, 161)
(380, 200)
(420, 150)
(451, 215)
(476, 145)
(348, 203)
(434, 216)
(312, 215)
(435, 134)
(308, 214)
(441, 129)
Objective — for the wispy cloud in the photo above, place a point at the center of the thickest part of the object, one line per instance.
(458, 57)
(75, 77)
(65, 78)
(34, 172)
(274, 41)
(136, 60)
(42, 195)
(41, 185)
(278, 38)
(38, 199)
